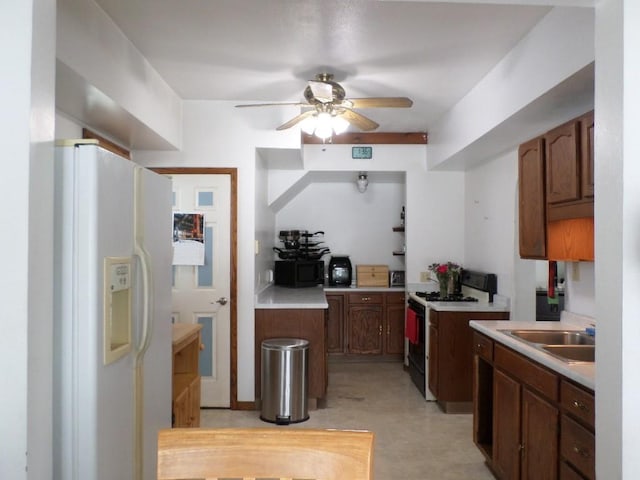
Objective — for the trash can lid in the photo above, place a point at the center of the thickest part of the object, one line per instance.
(285, 343)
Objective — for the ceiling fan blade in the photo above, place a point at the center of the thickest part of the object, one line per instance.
(297, 104)
(360, 121)
(295, 120)
(380, 102)
(323, 92)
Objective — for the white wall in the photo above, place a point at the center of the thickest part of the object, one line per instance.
(264, 228)
(617, 265)
(490, 213)
(355, 224)
(27, 31)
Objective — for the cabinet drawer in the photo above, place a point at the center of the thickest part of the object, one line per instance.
(578, 402)
(528, 372)
(395, 298)
(483, 346)
(578, 446)
(568, 473)
(365, 297)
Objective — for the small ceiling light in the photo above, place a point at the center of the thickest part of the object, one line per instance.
(323, 125)
(362, 182)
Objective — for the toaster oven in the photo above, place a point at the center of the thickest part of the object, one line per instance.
(396, 278)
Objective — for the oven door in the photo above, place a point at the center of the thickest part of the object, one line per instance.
(418, 353)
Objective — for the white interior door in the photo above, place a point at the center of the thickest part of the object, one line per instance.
(201, 293)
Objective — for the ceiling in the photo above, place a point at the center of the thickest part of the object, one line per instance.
(249, 51)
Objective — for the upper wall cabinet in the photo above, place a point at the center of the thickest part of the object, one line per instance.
(556, 193)
(563, 166)
(531, 199)
(569, 165)
(586, 152)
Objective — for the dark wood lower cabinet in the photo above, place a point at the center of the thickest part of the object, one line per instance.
(366, 322)
(451, 357)
(394, 324)
(539, 441)
(506, 426)
(530, 422)
(365, 329)
(335, 323)
(307, 324)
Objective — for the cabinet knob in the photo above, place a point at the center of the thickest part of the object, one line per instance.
(580, 405)
(366, 299)
(583, 452)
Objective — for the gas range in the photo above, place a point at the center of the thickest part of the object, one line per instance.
(476, 295)
(454, 297)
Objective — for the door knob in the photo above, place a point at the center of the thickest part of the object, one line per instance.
(221, 301)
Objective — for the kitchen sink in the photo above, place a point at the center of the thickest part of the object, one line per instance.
(553, 337)
(571, 346)
(573, 353)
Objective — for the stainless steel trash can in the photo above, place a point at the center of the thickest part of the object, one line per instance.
(284, 380)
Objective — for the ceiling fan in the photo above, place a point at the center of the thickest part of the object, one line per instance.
(330, 110)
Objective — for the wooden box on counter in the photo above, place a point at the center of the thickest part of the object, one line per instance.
(372, 275)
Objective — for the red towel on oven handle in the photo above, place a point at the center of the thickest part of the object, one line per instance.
(411, 326)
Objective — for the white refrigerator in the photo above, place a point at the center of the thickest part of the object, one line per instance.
(112, 314)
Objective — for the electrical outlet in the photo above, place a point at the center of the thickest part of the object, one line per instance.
(424, 277)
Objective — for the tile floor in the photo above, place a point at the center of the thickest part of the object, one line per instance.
(414, 439)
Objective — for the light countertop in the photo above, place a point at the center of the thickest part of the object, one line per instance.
(308, 297)
(285, 297)
(582, 373)
(479, 306)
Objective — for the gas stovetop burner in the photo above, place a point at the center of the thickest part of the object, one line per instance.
(454, 297)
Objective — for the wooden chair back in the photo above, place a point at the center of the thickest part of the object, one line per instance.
(256, 453)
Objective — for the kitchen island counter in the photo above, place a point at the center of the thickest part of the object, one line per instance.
(291, 298)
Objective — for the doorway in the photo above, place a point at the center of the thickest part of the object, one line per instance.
(219, 386)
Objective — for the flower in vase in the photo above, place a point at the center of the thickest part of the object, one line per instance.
(447, 274)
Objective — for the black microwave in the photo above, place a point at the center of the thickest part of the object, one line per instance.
(299, 273)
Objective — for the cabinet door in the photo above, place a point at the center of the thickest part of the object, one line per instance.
(586, 154)
(531, 199)
(433, 361)
(394, 331)
(506, 425)
(182, 409)
(561, 161)
(335, 324)
(365, 329)
(540, 426)
(194, 403)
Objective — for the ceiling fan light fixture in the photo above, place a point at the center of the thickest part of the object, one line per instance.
(324, 128)
(339, 125)
(308, 125)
